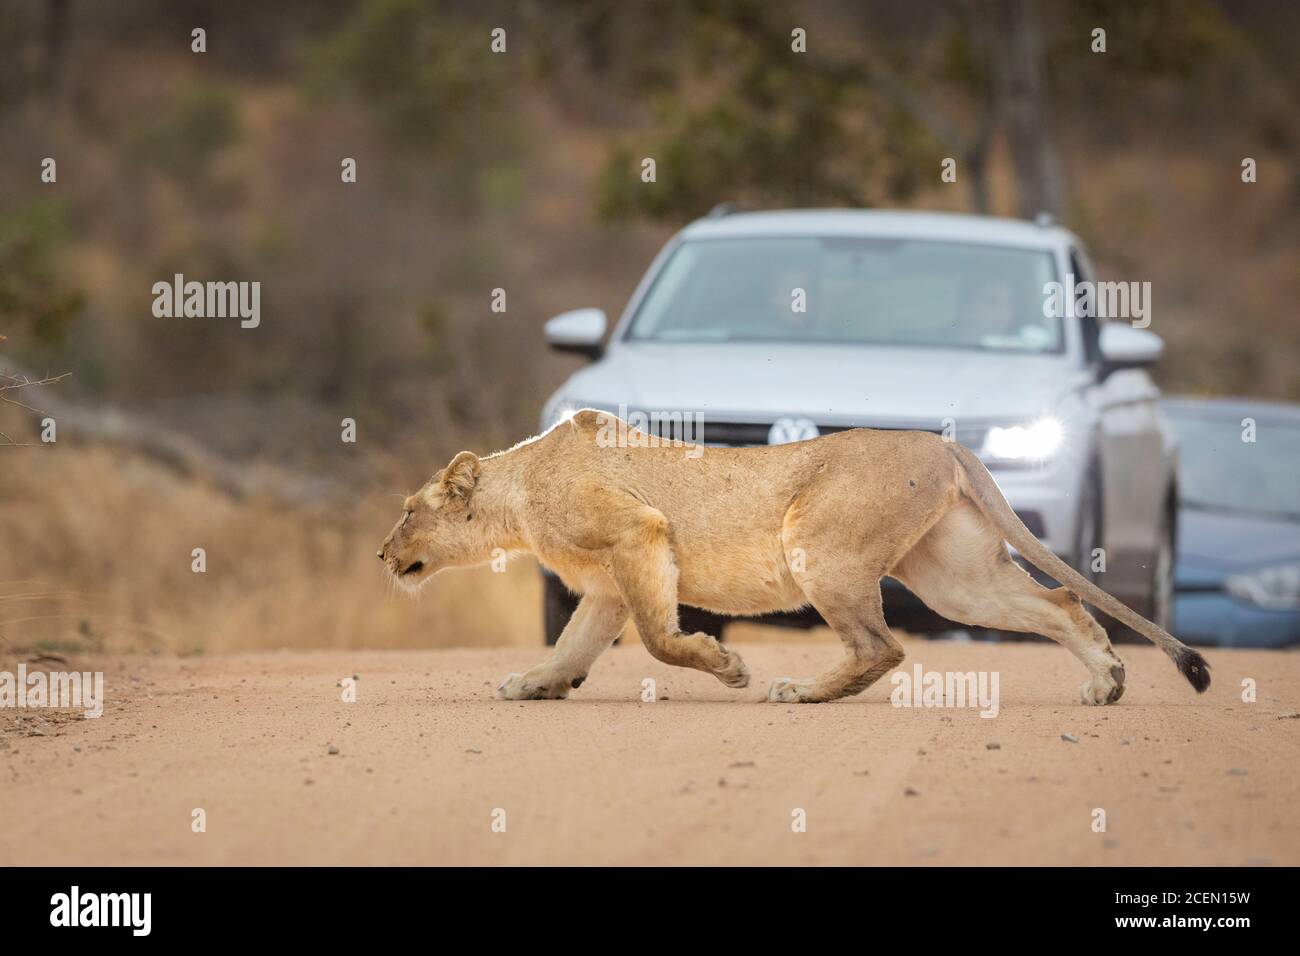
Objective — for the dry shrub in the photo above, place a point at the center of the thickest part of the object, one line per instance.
(95, 553)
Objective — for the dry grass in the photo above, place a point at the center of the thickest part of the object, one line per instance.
(95, 554)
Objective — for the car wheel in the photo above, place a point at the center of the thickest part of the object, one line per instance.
(1162, 575)
(1089, 537)
(1088, 533)
(692, 619)
(558, 605)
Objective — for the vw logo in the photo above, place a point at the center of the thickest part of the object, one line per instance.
(785, 430)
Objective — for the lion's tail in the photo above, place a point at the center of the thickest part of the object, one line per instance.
(978, 485)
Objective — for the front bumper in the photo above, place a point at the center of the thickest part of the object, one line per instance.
(1218, 619)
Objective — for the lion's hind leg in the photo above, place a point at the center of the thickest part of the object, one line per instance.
(854, 612)
(962, 570)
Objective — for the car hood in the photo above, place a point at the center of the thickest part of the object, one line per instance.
(850, 383)
(1215, 544)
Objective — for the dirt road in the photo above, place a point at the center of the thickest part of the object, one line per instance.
(427, 759)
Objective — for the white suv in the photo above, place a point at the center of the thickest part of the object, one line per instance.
(777, 326)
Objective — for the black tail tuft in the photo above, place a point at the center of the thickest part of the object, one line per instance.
(1192, 666)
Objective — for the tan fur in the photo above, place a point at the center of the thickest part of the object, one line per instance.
(637, 526)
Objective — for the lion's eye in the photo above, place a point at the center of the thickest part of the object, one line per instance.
(405, 516)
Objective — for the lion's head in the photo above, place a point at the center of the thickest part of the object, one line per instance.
(438, 528)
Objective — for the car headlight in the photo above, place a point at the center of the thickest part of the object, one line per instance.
(1036, 441)
(1276, 587)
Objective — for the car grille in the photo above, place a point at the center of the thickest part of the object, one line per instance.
(742, 434)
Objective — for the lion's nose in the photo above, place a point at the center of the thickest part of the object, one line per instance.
(379, 555)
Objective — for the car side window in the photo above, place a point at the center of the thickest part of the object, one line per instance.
(1088, 324)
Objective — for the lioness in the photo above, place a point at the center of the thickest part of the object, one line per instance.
(635, 525)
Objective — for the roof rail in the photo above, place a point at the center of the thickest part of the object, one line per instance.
(723, 209)
(1044, 220)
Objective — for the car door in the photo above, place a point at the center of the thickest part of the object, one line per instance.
(1133, 462)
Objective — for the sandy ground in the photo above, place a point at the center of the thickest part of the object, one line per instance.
(704, 775)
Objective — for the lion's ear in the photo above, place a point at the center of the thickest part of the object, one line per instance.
(461, 475)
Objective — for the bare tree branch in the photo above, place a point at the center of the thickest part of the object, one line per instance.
(22, 380)
(11, 382)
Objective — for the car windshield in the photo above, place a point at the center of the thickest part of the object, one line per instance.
(851, 290)
(1220, 470)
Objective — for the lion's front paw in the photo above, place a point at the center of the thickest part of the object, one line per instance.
(733, 671)
(787, 690)
(532, 687)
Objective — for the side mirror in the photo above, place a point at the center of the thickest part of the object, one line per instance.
(1123, 346)
(578, 331)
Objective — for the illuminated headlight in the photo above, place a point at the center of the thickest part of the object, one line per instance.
(561, 411)
(1033, 442)
(1276, 588)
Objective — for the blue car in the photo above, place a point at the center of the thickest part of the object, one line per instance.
(1237, 576)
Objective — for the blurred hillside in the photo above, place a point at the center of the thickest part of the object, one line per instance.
(520, 171)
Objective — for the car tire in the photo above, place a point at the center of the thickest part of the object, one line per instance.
(1162, 572)
(1089, 535)
(692, 619)
(1089, 528)
(558, 605)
